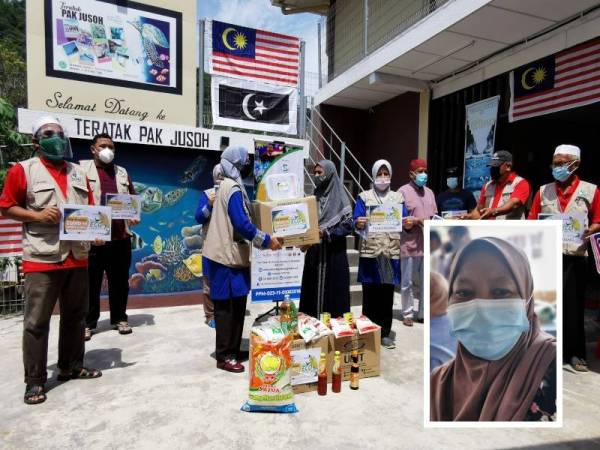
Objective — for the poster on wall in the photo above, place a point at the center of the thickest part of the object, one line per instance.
(480, 135)
(120, 43)
(277, 165)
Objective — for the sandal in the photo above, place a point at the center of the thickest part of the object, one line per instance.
(81, 373)
(578, 364)
(34, 394)
(123, 328)
(408, 322)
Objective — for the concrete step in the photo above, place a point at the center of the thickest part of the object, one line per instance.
(356, 296)
(353, 257)
(350, 241)
(354, 276)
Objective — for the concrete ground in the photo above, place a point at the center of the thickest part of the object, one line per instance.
(160, 389)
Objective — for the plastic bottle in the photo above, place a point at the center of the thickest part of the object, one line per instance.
(354, 371)
(322, 380)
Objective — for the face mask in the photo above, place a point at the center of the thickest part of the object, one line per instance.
(319, 179)
(452, 182)
(382, 183)
(488, 329)
(495, 173)
(562, 173)
(106, 155)
(54, 148)
(421, 179)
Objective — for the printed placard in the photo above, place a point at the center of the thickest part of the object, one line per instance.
(574, 224)
(277, 274)
(290, 220)
(85, 223)
(454, 214)
(385, 218)
(124, 206)
(305, 366)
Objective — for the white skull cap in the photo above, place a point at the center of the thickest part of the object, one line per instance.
(44, 120)
(567, 149)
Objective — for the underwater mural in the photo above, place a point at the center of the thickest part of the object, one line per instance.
(167, 244)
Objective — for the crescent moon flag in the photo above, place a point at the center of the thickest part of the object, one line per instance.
(252, 105)
(251, 54)
(561, 81)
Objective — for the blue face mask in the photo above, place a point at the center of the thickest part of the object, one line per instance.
(561, 173)
(421, 179)
(452, 182)
(488, 328)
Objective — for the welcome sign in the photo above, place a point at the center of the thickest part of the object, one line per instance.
(123, 59)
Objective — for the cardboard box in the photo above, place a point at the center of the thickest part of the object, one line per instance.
(303, 369)
(294, 220)
(368, 346)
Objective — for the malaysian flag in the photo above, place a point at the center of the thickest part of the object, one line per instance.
(251, 54)
(11, 238)
(566, 80)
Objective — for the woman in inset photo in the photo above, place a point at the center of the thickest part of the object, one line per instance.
(505, 365)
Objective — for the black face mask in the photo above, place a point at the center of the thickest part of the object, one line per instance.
(246, 171)
(495, 173)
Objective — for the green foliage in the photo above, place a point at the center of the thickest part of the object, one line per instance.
(13, 70)
(11, 141)
(12, 25)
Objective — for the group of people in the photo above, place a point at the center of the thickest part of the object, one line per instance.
(72, 272)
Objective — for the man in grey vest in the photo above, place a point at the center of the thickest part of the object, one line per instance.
(505, 196)
(114, 258)
(570, 195)
(33, 192)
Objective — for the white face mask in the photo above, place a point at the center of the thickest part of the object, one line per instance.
(106, 155)
(382, 183)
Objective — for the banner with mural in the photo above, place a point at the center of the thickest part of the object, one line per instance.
(167, 244)
(129, 44)
(480, 135)
(276, 159)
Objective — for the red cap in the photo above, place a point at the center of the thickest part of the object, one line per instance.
(417, 164)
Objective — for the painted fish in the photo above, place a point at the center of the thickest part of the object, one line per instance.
(191, 231)
(193, 170)
(194, 264)
(157, 245)
(156, 230)
(155, 274)
(174, 196)
(137, 242)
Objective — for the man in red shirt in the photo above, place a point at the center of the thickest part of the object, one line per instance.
(506, 194)
(33, 191)
(570, 196)
(114, 258)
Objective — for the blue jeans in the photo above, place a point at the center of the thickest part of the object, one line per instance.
(411, 287)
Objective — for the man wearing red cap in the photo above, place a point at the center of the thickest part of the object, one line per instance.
(506, 194)
(420, 204)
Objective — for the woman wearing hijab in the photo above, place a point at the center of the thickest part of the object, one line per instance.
(379, 263)
(442, 346)
(226, 253)
(326, 277)
(505, 366)
(203, 213)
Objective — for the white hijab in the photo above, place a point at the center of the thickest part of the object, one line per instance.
(374, 170)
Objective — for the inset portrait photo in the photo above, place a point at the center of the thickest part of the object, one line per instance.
(493, 328)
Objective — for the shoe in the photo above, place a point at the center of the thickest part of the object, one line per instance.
(211, 323)
(88, 333)
(408, 322)
(388, 343)
(578, 364)
(123, 327)
(230, 365)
